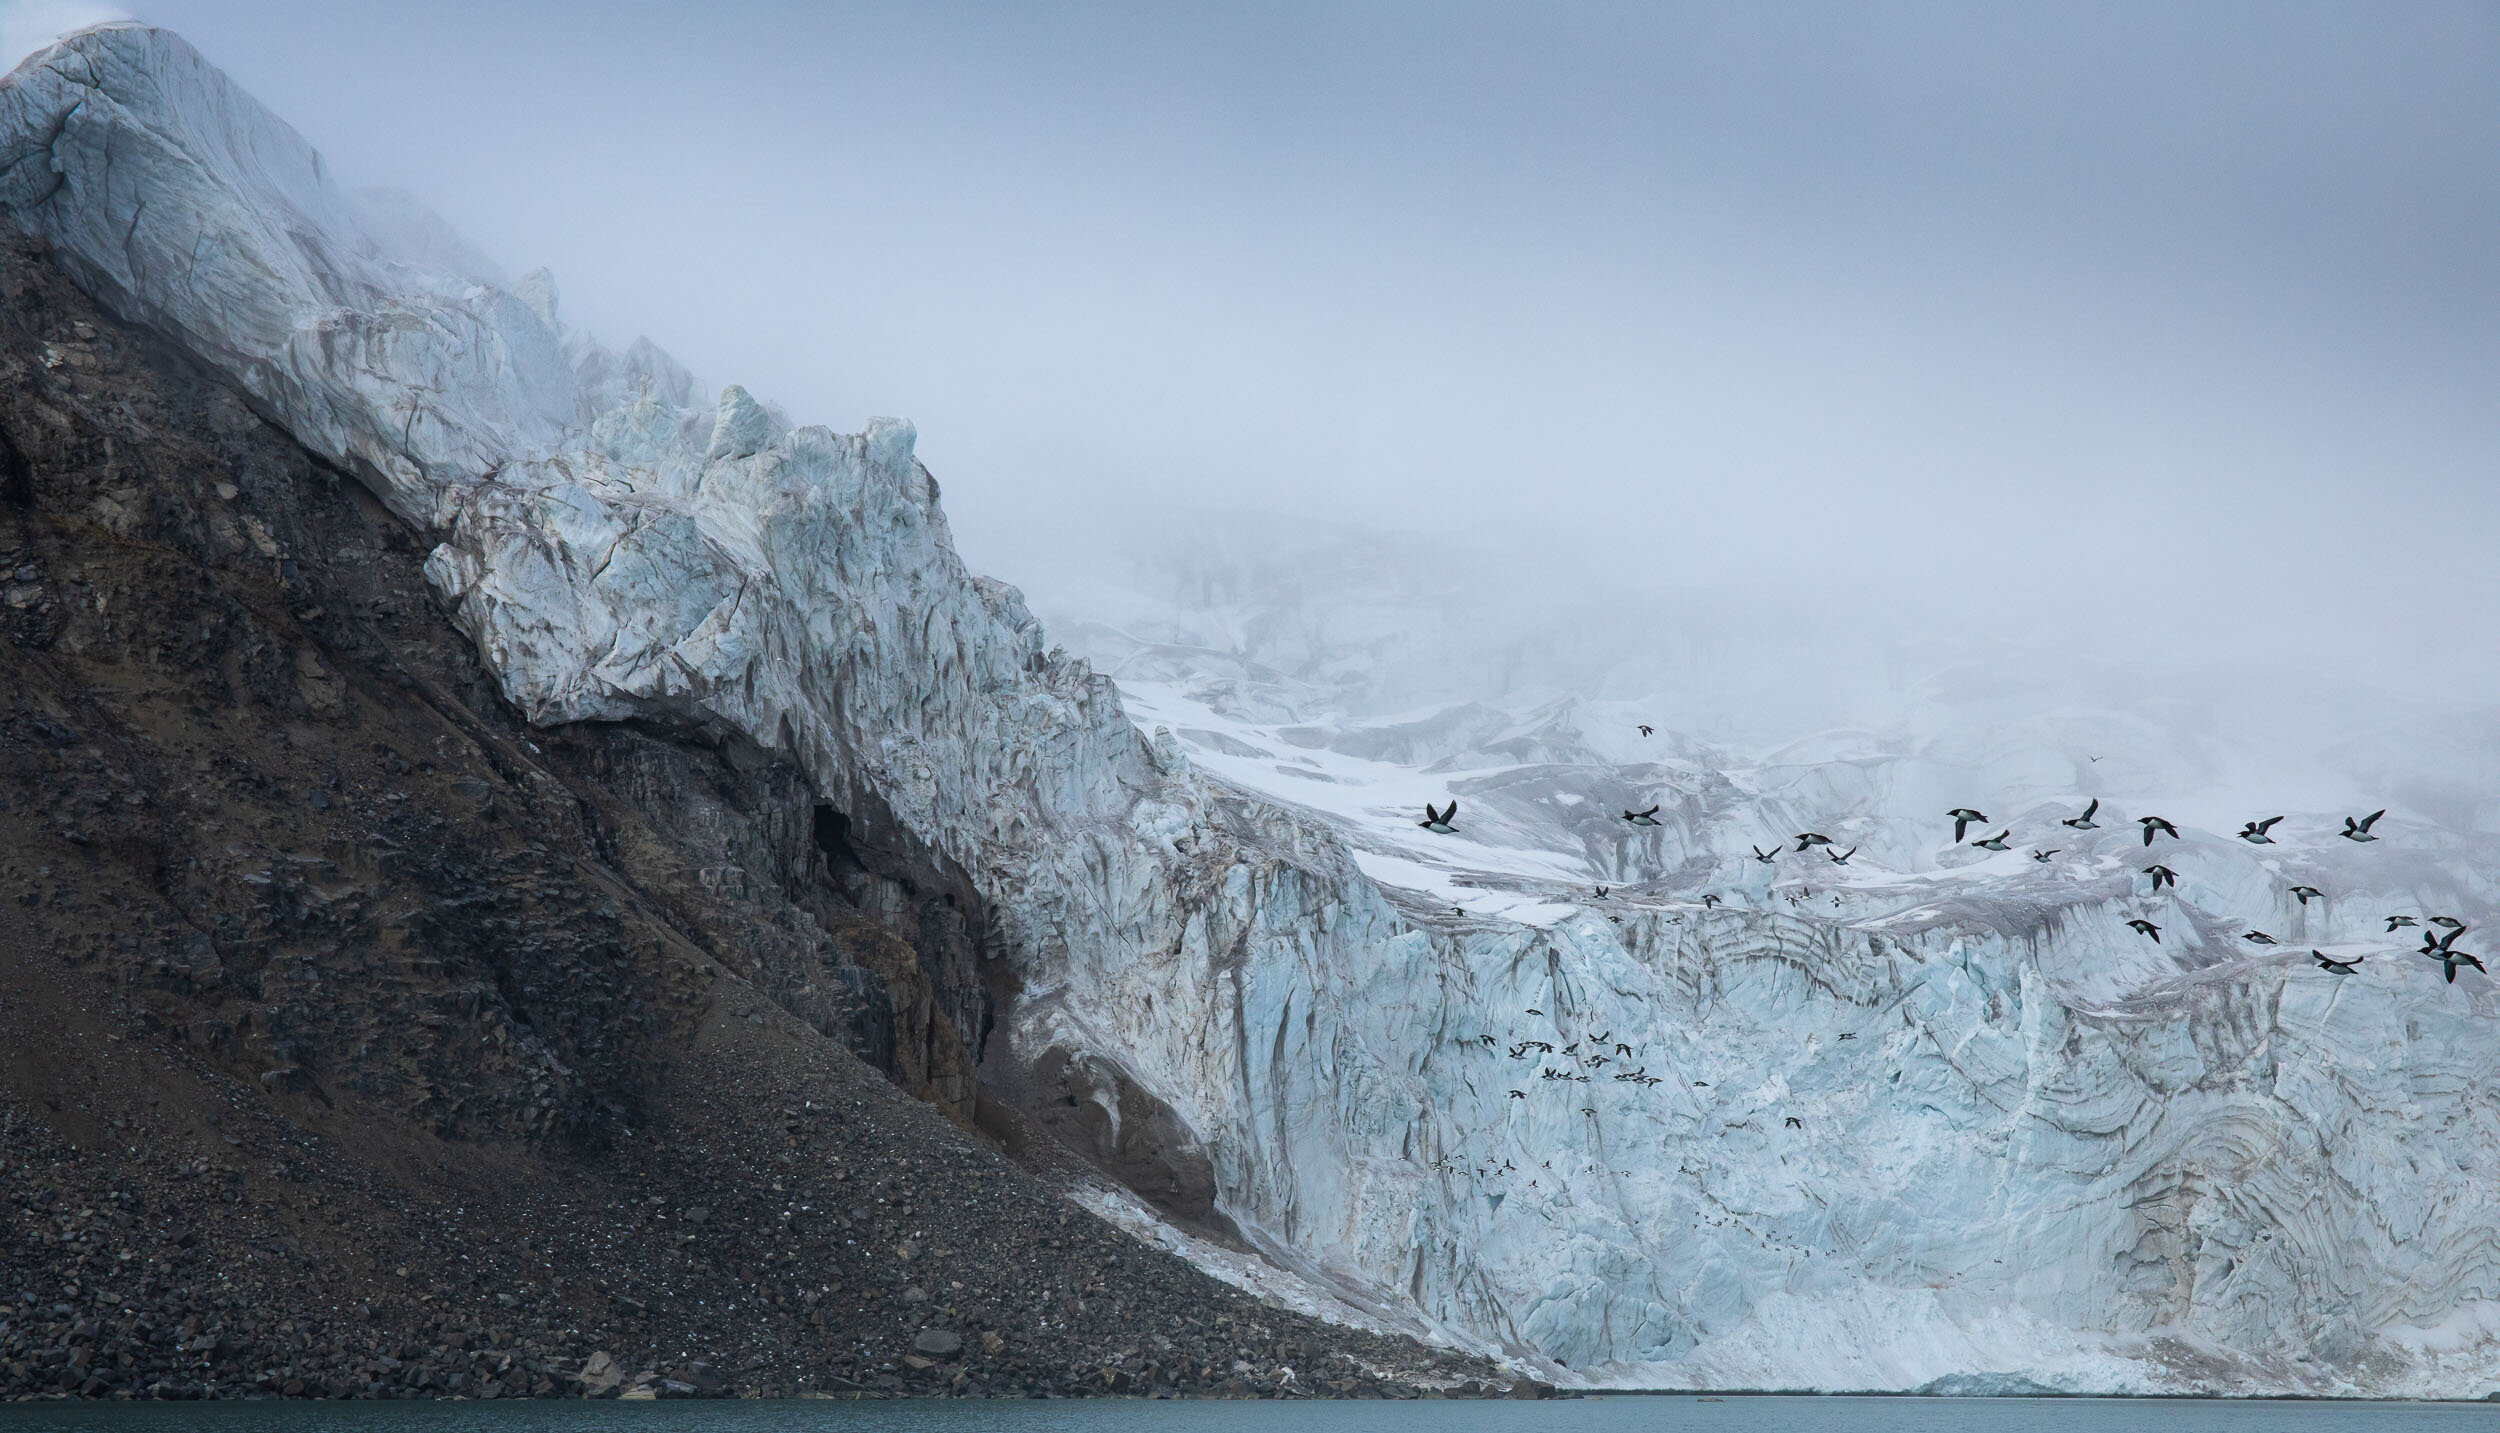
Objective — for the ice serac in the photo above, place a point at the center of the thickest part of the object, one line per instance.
(184, 204)
(2026, 1150)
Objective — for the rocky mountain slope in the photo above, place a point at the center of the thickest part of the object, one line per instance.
(362, 1040)
(1962, 1124)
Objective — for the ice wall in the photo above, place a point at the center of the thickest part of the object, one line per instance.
(2024, 1145)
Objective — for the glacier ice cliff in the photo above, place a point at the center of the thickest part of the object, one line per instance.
(1944, 1117)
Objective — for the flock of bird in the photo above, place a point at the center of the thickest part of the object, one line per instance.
(1579, 1061)
(2441, 948)
(2437, 946)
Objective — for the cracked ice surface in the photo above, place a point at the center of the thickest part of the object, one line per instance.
(2028, 1144)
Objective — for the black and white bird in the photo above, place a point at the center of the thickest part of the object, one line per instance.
(1766, 857)
(1963, 816)
(2360, 831)
(2254, 832)
(1644, 728)
(1710, 903)
(1439, 822)
(2085, 822)
(2043, 856)
(2144, 927)
(1841, 858)
(2447, 922)
(1812, 838)
(1995, 842)
(2162, 876)
(1642, 818)
(2340, 967)
(2152, 824)
(2451, 959)
(2308, 894)
(2258, 937)
(2394, 922)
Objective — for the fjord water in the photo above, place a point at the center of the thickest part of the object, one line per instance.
(1618, 1414)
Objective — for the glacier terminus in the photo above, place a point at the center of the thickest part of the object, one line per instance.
(1920, 1115)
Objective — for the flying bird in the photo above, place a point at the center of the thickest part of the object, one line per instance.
(2340, 967)
(1963, 816)
(2044, 855)
(1995, 842)
(1841, 858)
(2084, 822)
(2451, 959)
(2258, 937)
(2152, 824)
(1812, 838)
(2394, 921)
(1644, 728)
(2144, 927)
(1766, 857)
(1642, 818)
(1796, 1123)
(2254, 832)
(1710, 903)
(2308, 894)
(1517, 1095)
(2449, 922)
(2360, 831)
(2162, 876)
(1601, 893)
(1438, 822)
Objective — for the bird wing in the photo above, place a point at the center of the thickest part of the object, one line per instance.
(1452, 813)
(2268, 823)
(2368, 820)
(2089, 811)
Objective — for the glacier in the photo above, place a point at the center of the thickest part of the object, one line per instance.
(1933, 1119)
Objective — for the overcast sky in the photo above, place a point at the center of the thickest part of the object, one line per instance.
(2180, 321)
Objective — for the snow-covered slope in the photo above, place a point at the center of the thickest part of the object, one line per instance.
(2026, 1141)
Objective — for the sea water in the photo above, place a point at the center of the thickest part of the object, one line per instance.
(1617, 1414)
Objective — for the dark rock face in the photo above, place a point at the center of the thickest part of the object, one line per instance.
(360, 1041)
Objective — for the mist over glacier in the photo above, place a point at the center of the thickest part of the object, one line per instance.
(1839, 492)
(1876, 344)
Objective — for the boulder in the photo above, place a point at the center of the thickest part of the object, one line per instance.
(600, 1377)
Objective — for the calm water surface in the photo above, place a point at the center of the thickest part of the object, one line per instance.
(1591, 1415)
